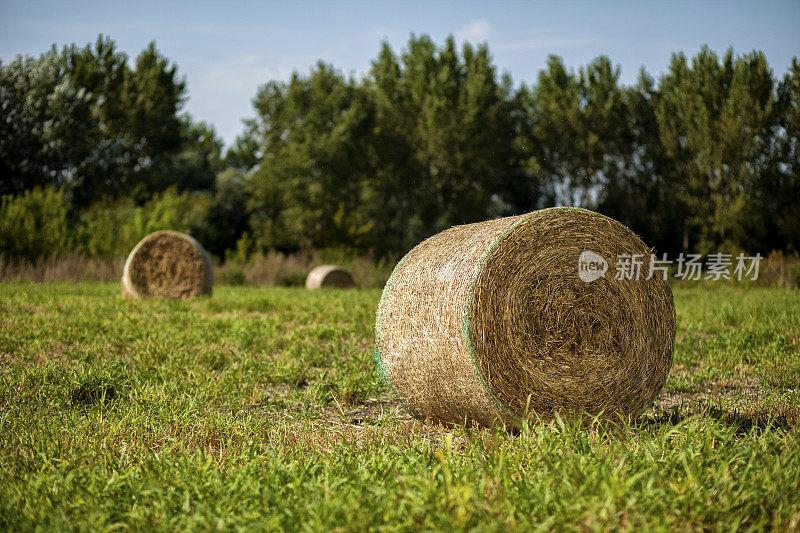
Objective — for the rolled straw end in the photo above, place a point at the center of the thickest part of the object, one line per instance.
(329, 276)
(167, 264)
(524, 316)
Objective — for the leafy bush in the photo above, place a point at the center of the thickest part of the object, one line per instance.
(233, 275)
(112, 228)
(34, 224)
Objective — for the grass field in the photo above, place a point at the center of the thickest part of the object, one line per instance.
(261, 408)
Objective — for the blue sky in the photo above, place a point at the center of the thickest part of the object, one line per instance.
(227, 49)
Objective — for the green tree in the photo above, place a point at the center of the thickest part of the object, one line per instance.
(463, 133)
(44, 119)
(194, 166)
(227, 218)
(553, 111)
(83, 120)
(644, 192)
(137, 136)
(444, 145)
(307, 189)
(394, 189)
(714, 117)
(772, 214)
(580, 130)
(246, 152)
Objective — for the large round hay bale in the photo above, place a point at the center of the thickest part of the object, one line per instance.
(329, 276)
(167, 264)
(494, 322)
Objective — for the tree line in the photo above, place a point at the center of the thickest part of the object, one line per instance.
(705, 158)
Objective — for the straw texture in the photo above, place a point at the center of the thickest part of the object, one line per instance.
(329, 276)
(491, 323)
(167, 264)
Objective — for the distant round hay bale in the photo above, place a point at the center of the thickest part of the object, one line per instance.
(494, 322)
(329, 276)
(167, 264)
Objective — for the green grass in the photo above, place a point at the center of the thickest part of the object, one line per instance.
(261, 408)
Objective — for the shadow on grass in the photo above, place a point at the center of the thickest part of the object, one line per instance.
(741, 422)
(93, 393)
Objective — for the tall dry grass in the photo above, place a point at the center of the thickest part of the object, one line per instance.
(779, 270)
(61, 268)
(273, 268)
(776, 270)
(279, 269)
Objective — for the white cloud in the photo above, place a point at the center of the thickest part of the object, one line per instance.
(474, 32)
(250, 59)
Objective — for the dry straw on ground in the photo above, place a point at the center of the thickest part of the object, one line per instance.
(329, 276)
(491, 323)
(167, 264)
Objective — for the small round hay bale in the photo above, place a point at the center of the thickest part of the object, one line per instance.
(329, 276)
(167, 264)
(494, 322)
